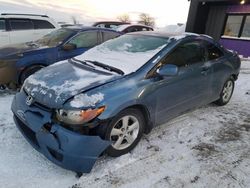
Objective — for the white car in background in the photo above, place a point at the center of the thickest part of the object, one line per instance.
(20, 28)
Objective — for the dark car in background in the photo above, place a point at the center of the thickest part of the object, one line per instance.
(19, 61)
(109, 24)
(105, 99)
(129, 28)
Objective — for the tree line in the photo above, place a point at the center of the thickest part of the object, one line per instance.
(144, 19)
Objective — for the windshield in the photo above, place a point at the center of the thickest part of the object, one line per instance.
(55, 38)
(135, 43)
(128, 52)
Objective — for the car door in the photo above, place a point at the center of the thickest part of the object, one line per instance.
(174, 95)
(83, 41)
(22, 30)
(4, 35)
(217, 61)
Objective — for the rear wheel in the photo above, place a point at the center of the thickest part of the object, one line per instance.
(29, 71)
(125, 131)
(226, 93)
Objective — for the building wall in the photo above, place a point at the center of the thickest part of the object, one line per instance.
(209, 17)
(242, 46)
(215, 21)
(238, 9)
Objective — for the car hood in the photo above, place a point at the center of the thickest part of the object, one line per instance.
(54, 85)
(16, 49)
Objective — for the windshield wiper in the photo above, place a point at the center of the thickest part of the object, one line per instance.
(83, 62)
(106, 67)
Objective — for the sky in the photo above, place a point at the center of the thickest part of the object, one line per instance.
(165, 12)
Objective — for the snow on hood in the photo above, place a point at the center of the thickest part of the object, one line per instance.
(84, 100)
(128, 62)
(54, 85)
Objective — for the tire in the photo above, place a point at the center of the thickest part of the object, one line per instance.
(2, 87)
(124, 136)
(28, 72)
(226, 93)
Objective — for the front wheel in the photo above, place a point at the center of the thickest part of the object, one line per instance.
(226, 93)
(125, 131)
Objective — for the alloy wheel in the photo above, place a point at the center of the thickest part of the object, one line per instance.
(124, 132)
(227, 91)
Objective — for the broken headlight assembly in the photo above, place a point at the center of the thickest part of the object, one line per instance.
(78, 117)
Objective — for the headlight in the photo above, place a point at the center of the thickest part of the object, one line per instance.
(77, 117)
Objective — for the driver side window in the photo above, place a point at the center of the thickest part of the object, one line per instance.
(186, 54)
(85, 40)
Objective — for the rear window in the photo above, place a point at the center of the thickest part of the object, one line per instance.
(2, 25)
(42, 24)
(21, 24)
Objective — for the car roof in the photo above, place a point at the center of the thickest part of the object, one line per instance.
(110, 22)
(23, 15)
(86, 28)
(164, 34)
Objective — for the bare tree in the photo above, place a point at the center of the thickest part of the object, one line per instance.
(146, 19)
(74, 20)
(124, 18)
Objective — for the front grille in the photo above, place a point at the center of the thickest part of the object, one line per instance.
(37, 104)
(43, 107)
(28, 132)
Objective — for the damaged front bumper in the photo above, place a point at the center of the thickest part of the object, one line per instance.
(65, 148)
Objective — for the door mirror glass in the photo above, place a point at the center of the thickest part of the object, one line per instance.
(168, 70)
(69, 47)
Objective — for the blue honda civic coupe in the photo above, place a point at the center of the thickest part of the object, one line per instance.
(104, 100)
(19, 61)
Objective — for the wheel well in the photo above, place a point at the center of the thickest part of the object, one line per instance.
(235, 76)
(26, 68)
(146, 115)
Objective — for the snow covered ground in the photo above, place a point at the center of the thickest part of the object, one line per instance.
(208, 147)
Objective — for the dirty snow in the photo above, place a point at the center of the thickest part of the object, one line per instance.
(83, 100)
(208, 147)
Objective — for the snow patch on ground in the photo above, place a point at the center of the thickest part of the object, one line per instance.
(207, 147)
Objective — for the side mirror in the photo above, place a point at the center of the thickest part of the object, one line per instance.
(168, 70)
(69, 47)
